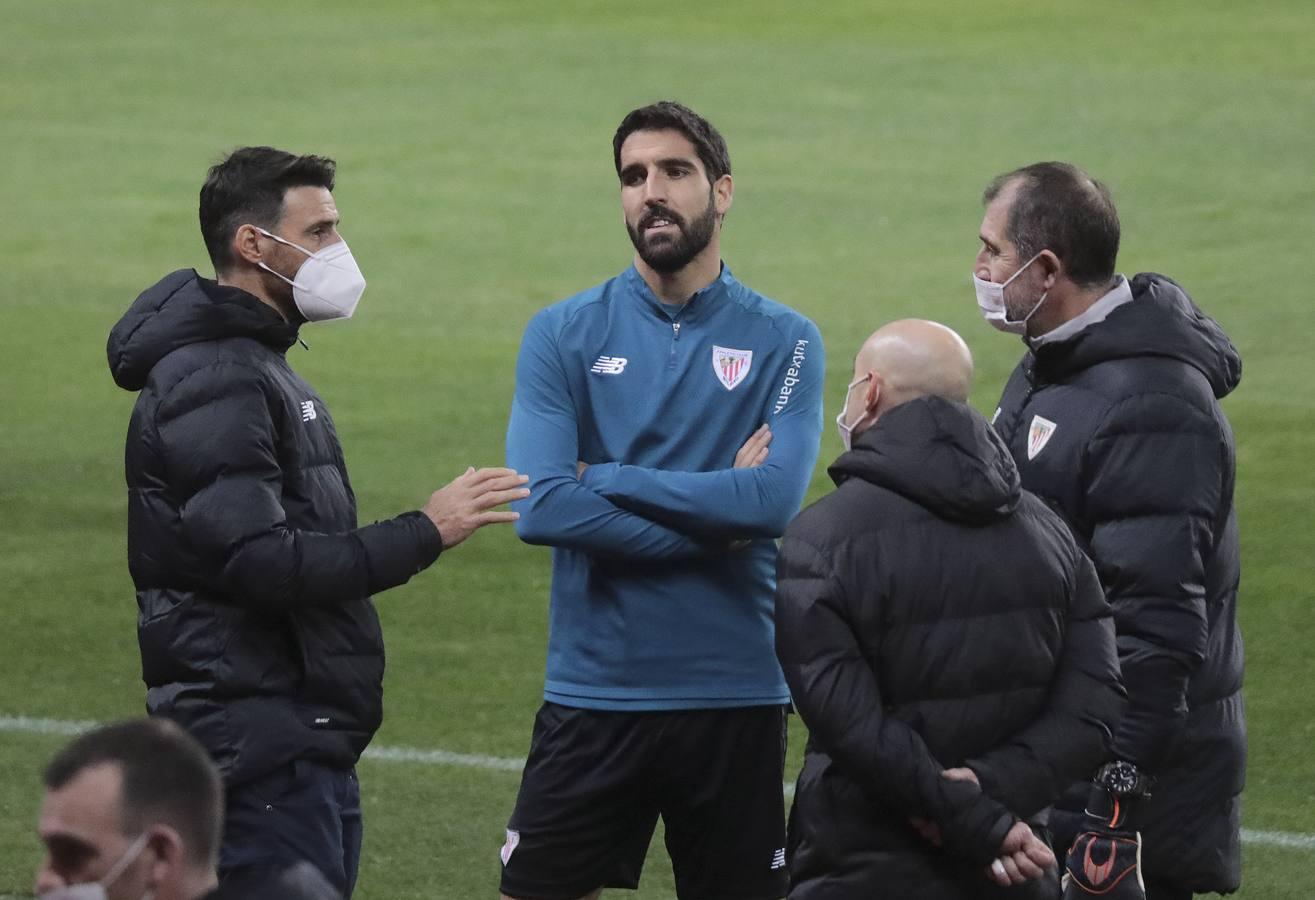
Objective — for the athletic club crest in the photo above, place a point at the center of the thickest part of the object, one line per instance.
(1038, 435)
(731, 365)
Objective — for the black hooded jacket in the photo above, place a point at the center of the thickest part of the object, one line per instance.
(1119, 428)
(255, 623)
(929, 615)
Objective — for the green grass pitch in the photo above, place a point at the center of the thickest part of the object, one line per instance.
(475, 182)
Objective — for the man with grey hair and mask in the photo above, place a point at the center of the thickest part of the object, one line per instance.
(1113, 417)
(944, 639)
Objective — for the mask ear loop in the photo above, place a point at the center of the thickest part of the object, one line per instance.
(275, 237)
(1005, 284)
(840, 416)
(128, 858)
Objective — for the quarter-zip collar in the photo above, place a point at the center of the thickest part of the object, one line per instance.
(637, 286)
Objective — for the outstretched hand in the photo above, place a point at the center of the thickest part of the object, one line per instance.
(466, 504)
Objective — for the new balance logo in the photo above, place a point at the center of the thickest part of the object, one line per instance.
(609, 365)
(307, 410)
(778, 859)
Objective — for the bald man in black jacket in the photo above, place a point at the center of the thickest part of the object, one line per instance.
(945, 641)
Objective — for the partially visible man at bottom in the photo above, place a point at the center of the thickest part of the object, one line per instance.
(135, 809)
(944, 639)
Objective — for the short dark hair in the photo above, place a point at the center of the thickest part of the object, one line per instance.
(1060, 208)
(167, 777)
(707, 140)
(247, 187)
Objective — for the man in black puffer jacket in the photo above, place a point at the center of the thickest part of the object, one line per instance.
(256, 628)
(1113, 418)
(946, 643)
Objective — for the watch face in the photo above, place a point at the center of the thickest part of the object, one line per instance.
(1123, 778)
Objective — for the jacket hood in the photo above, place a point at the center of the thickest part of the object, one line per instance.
(940, 454)
(1161, 320)
(184, 308)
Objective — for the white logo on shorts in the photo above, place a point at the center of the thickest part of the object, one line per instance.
(778, 859)
(513, 840)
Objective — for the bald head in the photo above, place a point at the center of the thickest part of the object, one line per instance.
(914, 358)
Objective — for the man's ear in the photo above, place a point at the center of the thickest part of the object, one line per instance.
(246, 244)
(872, 394)
(1052, 268)
(166, 854)
(723, 193)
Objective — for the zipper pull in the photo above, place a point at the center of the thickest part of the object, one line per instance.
(675, 331)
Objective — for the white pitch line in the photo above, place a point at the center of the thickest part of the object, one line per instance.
(445, 758)
(1279, 839)
(26, 725)
(29, 725)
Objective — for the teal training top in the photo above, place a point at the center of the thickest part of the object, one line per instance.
(663, 554)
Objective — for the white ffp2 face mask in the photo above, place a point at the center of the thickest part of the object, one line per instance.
(328, 285)
(991, 301)
(95, 890)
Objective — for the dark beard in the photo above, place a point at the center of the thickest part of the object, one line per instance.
(668, 255)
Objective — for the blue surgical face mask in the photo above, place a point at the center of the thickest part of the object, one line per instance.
(847, 430)
(991, 301)
(96, 890)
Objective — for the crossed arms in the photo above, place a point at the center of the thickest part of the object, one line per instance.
(619, 510)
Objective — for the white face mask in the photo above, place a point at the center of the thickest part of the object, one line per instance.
(95, 890)
(328, 285)
(847, 431)
(991, 301)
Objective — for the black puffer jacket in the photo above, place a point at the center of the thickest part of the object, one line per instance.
(929, 614)
(1139, 459)
(256, 628)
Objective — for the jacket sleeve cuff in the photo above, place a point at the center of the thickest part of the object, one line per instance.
(397, 549)
(977, 831)
(597, 477)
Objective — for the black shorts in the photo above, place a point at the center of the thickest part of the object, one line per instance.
(596, 782)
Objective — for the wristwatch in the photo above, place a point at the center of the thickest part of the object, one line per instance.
(1122, 779)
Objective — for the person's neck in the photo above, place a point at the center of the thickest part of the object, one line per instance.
(677, 287)
(254, 285)
(1064, 305)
